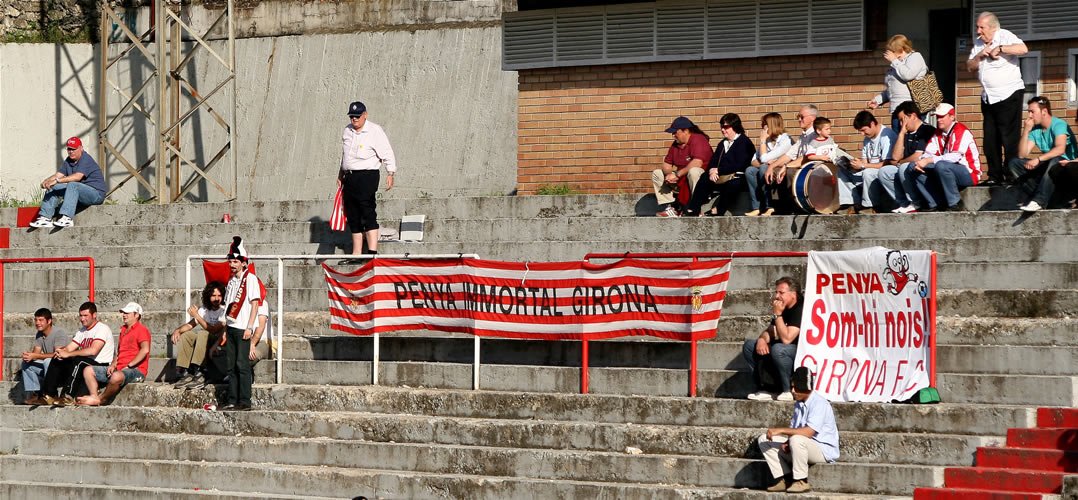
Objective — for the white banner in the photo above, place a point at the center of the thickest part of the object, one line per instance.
(865, 326)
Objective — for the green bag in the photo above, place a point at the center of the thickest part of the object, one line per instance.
(926, 396)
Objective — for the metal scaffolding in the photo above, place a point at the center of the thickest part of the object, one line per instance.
(174, 44)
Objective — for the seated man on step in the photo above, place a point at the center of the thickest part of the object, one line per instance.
(811, 438)
(93, 345)
(77, 182)
(130, 365)
(35, 362)
(774, 350)
(194, 336)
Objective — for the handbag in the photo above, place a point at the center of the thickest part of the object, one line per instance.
(925, 92)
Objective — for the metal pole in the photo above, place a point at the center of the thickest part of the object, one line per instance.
(475, 363)
(692, 369)
(232, 107)
(1, 315)
(374, 363)
(102, 84)
(160, 40)
(584, 366)
(932, 326)
(174, 108)
(280, 321)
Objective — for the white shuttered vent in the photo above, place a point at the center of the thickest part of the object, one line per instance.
(668, 30)
(1032, 19)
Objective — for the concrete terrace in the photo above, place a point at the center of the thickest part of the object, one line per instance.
(1008, 300)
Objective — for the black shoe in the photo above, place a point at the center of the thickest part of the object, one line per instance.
(228, 407)
(353, 262)
(243, 407)
(957, 207)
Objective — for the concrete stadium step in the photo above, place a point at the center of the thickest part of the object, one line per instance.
(371, 428)
(1028, 458)
(945, 418)
(1032, 248)
(1057, 417)
(1031, 481)
(1015, 276)
(392, 208)
(32, 489)
(335, 481)
(1045, 438)
(309, 273)
(954, 387)
(721, 352)
(550, 464)
(976, 494)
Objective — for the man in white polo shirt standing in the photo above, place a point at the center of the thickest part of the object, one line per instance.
(365, 149)
(995, 59)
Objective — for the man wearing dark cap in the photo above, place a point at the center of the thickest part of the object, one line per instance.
(366, 149)
(811, 438)
(682, 166)
(77, 182)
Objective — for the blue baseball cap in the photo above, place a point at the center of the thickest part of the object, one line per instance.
(356, 108)
(680, 123)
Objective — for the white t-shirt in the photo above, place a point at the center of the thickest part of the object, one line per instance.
(1000, 77)
(212, 316)
(263, 310)
(100, 332)
(879, 148)
(232, 293)
(803, 144)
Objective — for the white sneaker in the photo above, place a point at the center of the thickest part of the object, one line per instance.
(786, 396)
(669, 212)
(64, 221)
(1030, 207)
(904, 210)
(761, 396)
(41, 222)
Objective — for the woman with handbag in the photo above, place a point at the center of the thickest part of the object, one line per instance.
(906, 66)
(725, 173)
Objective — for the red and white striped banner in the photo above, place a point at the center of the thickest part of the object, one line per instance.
(337, 220)
(537, 300)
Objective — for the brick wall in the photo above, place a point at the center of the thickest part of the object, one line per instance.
(599, 129)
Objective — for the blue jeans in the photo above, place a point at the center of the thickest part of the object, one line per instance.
(1038, 181)
(32, 373)
(759, 191)
(72, 195)
(938, 187)
(779, 363)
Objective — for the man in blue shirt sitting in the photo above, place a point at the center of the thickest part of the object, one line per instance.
(811, 438)
(1056, 142)
(78, 181)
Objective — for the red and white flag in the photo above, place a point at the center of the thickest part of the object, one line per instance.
(337, 220)
(537, 300)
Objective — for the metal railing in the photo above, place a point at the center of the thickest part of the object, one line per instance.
(36, 260)
(280, 299)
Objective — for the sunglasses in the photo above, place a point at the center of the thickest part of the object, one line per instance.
(72, 149)
(726, 126)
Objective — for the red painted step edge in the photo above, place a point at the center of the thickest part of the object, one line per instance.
(971, 494)
(1028, 458)
(991, 478)
(1052, 438)
(1057, 417)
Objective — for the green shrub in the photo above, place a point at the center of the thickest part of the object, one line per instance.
(555, 190)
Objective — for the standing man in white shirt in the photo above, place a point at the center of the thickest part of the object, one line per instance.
(995, 59)
(366, 149)
(243, 296)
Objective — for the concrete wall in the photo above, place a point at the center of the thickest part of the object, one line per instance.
(441, 95)
(46, 96)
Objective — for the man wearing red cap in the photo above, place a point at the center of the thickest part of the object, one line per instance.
(77, 182)
(949, 164)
